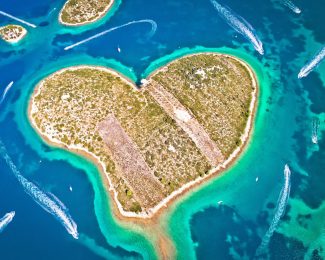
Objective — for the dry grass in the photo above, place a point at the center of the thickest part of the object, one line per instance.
(11, 32)
(83, 11)
(217, 90)
(146, 151)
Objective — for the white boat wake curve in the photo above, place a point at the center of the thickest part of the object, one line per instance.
(240, 25)
(4, 222)
(151, 33)
(18, 19)
(309, 67)
(279, 211)
(52, 206)
(51, 11)
(6, 91)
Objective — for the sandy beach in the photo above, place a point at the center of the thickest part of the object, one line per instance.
(150, 221)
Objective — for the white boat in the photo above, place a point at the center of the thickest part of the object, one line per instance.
(70, 188)
(256, 179)
(314, 139)
(119, 49)
(315, 126)
(4, 222)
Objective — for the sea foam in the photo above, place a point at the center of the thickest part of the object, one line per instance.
(312, 64)
(279, 211)
(151, 33)
(52, 206)
(17, 19)
(240, 25)
(292, 6)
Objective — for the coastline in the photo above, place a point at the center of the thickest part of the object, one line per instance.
(174, 195)
(18, 39)
(100, 15)
(151, 220)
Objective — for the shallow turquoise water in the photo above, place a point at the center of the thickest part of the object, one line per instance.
(198, 225)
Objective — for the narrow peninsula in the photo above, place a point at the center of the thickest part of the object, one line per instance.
(188, 121)
(81, 12)
(12, 33)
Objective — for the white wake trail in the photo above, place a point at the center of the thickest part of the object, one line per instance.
(51, 11)
(151, 33)
(54, 207)
(314, 136)
(240, 25)
(17, 19)
(4, 222)
(279, 211)
(292, 6)
(6, 91)
(309, 67)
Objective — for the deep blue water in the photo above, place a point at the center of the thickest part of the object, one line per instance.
(205, 230)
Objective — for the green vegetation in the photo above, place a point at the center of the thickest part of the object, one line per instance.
(86, 96)
(77, 12)
(72, 104)
(217, 90)
(12, 33)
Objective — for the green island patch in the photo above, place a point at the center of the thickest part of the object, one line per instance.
(186, 121)
(12, 33)
(80, 12)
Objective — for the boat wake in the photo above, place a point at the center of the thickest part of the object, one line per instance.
(314, 136)
(151, 33)
(292, 6)
(279, 211)
(17, 19)
(4, 222)
(309, 67)
(51, 205)
(240, 25)
(51, 11)
(6, 91)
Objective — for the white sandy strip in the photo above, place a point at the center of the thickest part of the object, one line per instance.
(100, 15)
(17, 19)
(151, 212)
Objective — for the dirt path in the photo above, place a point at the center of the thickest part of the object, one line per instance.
(130, 163)
(187, 122)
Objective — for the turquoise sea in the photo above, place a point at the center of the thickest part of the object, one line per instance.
(198, 226)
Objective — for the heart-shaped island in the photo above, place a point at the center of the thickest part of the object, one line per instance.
(186, 122)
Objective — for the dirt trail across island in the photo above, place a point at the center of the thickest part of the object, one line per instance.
(130, 162)
(187, 122)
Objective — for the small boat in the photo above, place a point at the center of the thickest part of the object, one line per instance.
(220, 202)
(119, 49)
(70, 188)
(256, 179)
(315, 126)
